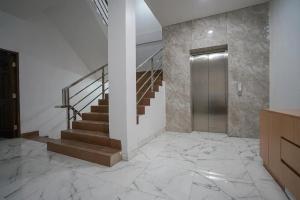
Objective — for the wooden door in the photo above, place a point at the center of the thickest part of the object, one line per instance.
(9, 94)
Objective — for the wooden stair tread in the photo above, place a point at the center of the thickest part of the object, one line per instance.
(86, 132)
(89, 139)
(95, 113)
(100, 106)
(91, 122)
(104, 150)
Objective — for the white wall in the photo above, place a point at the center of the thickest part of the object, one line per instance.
(47, 64)
(148, 29)
(122, 77)
(151, 124)
(122, 71)
(147, 26)
(285, 54)
(144, 51)
(82, 29)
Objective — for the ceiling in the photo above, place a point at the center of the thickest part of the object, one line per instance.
(175, 11)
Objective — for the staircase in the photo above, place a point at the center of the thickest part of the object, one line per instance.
(88, 139)
(145, 92)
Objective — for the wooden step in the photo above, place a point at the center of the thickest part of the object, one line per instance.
(91, 125)
(149, 94)
(94, 153)
(148, 87)
(103, 102)
(142, 73)
(95, 116)
(91, 137)
(156, 88)
(145, 102)
(100, 109)
(145, 82)
(140, 109)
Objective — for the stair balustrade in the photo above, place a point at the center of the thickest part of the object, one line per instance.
(149, 78)
(102, 9)
(75, 108)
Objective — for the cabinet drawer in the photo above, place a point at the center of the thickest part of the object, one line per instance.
(291, 181)
(290, 154)
(297, 131)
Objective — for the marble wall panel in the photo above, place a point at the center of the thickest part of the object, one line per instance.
(245, 32)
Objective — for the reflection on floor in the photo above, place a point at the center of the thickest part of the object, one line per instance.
(173, 166)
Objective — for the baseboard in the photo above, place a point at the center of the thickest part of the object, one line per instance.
(30, 135)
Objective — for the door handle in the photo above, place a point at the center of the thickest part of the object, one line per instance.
(239, 88)
(14, 95)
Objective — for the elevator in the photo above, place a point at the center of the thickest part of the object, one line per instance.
(209, 91)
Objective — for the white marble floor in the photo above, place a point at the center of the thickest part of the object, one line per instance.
(197, 166)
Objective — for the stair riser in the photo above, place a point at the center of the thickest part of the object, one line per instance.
(141, 110)
(140, 84)
(104, 141)
(103, 102)
(155, 88)
(93, 117)
(145, 102)
(91, 127)
(84, 155)
(99, 109)
(147, 95)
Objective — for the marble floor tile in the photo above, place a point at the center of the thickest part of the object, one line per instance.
(183, 166)
(20, 148)
(62, 183)
(150, 151)
(233, 169)
(195, 150)
(270, 190)
(165, 180)
(210, 187)
(132, 194)
(256, 170)
(17, 170)
(247, 148)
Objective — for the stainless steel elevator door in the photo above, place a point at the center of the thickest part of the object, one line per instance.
(209, 92)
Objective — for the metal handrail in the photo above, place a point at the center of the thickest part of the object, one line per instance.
(86, 76)
(149, 58)
(140, 99)
(102, 8)
(153, 75)
(66, 94)
(85, 88)
(145, 73)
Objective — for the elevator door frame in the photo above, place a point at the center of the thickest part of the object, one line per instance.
(207, 51)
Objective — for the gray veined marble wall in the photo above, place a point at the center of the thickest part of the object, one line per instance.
(246, 33)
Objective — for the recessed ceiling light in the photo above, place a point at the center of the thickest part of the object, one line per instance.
(210, 32)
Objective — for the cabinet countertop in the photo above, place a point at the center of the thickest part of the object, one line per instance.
(290, 112)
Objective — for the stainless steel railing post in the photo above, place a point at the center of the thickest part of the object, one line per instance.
(68, 107)
(152, 67)
(66, 98)
(103, 84)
